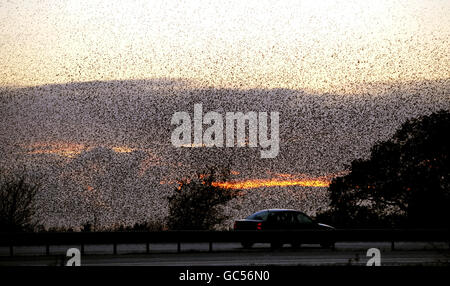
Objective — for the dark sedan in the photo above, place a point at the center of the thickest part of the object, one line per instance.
(280, 219)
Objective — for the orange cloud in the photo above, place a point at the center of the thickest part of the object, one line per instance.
(260, 183)
(68, 149)
(122, 149)
(63, 149)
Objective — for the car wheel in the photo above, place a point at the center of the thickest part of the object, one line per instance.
(247, 245)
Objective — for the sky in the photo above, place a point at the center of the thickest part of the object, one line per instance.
(88, 89)
(317, 46)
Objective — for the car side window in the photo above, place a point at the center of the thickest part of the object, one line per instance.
(286, 218)
(273, 217)
(303, 219)
(290, 218)
(282, 218)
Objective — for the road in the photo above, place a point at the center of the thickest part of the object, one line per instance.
(232, 254)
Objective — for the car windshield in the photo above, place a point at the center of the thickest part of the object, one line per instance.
(304, 219)
(259, 216)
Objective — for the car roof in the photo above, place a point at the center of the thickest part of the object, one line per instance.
(279, 210)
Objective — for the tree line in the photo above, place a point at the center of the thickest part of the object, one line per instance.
(404, 183)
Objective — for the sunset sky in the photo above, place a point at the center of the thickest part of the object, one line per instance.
(88, 90)
(318, 46)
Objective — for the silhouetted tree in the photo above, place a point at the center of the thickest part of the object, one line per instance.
(17, 205)
(195, 203)
(87, 227)
(404, 182)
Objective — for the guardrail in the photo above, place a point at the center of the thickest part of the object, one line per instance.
(267, 236)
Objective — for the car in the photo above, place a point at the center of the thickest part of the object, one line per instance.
(281, 219)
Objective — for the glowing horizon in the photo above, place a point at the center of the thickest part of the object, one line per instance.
(72, 150)
(320, 46)
(68, 149)
(273, 182)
